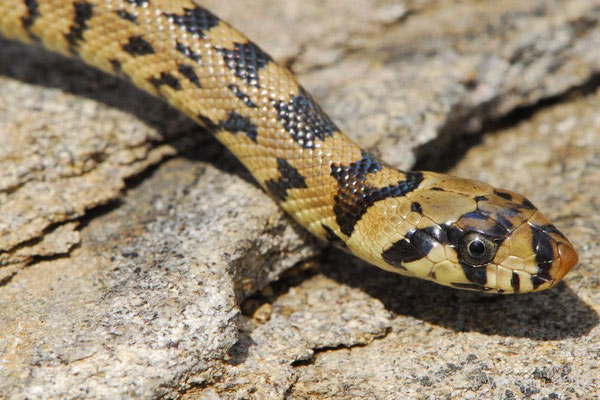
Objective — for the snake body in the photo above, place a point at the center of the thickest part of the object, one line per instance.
(456, 232)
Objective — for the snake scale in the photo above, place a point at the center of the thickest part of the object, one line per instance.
(453, 231)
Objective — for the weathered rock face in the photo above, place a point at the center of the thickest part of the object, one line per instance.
(112, 287)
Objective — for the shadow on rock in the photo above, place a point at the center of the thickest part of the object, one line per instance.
(557, 313)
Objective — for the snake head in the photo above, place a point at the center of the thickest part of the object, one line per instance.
(472, 236)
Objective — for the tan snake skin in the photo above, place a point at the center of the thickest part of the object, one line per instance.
(453, 231)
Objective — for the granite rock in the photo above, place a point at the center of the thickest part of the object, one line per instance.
(130, 239)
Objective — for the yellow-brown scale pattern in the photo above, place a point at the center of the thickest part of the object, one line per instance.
(453, 231)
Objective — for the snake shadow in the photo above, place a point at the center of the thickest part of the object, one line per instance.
(36, 66)
(552, 314)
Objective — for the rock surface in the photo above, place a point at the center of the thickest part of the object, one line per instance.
(123, 280)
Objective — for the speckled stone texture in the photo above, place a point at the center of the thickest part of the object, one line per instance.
(120, 279)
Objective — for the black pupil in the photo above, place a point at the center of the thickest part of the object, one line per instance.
(477, 248)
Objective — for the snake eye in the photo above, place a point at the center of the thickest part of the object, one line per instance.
(477, 249)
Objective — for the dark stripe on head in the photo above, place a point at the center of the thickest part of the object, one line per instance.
(515, 282)
(504, 195)
(33, 12)
(415, 246)
(422, 241)
(453, 233)
(189, 73)
(304, 120)
(241, 95)
(127, 16)
(476, 274)
(138, 46)
(504, 222)
(401, 252)
(552, 230)
(479, 214)
(527, 205)
(290, 179)
(245, 60)
(544, 254)
(237, 123)
(480, 198)
(536, 281)
(188, 52)
(439, 233)
(165, 79)
(416, 207)
(83, 12)
(498, 230)
(196, 20)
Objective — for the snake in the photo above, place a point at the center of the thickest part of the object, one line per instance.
(457, 232)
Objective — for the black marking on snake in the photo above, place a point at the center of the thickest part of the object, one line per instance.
(116, 66)
(544, 254)
(237, 123)
(415, 246)
(165, 79)
(480, 198)
(515, 282)
(439, 233)
(422, 241)
(478, 214)
(504, 195)
(139, 3)
(138, 46)
(401, 252)
(552, 229)
(477, 275)
(416, 207)
(189, 73)
(354, 197)
(290, 179)
(453, 233)
(331, 237)
(33, 12)
(526, 204)
(536, 281)
(197, 20)
(83, 13)
(304, 120)
(241, 95)
(499, 231)
(207, 123)
(245, 60)
(504, 222)
(472, 286)
(188, 52)
(127, 16)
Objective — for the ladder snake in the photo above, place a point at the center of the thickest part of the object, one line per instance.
(453, 231)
